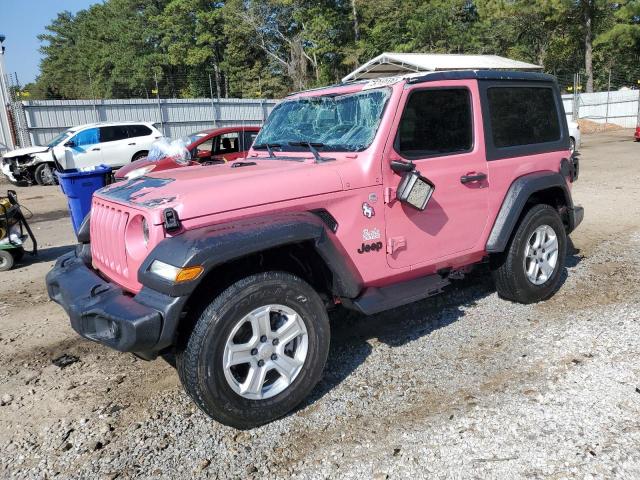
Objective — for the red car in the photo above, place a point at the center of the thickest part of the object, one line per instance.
(217, 145)
(637, 134)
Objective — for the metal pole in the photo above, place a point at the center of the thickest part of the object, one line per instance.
(5, 128)
(213, 107)
(638, 116)
(93, 97)
(159, 106)
(574, 112)
(606, 115)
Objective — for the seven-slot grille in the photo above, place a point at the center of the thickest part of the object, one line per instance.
(108, 225)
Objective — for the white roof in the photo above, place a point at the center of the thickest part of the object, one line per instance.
(390, 64)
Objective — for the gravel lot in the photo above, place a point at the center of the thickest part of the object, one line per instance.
(463, 385)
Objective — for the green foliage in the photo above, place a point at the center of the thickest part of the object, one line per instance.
(267, 48)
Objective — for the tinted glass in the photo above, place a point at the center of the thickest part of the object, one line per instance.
(86, 137)
(523, 116)
(138, 130)
(112, 134)
(436, 122)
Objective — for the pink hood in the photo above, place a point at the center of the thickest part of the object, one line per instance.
(199, 191)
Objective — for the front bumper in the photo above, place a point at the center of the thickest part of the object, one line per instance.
(101, 311)
(6, 170)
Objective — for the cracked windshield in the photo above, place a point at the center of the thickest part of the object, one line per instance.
(332, 123)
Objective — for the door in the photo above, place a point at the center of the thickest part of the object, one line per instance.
(83, 149)
(227, 147)
(440, 131)
(117, 148)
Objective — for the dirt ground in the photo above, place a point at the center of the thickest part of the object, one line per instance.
(111, 415)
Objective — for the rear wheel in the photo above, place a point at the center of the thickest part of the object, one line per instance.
(6, 260)
(138, 156)
(530, 269)
(572, 145)
(43, 174)
(257, 350)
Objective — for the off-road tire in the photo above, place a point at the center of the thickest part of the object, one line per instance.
(138, 156)
(6, 260)
(507, 268)
(39, 174)
(200, 359)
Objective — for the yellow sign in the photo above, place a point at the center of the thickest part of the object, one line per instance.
(154, 91)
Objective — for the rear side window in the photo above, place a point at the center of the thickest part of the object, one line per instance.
(138, 130)
(436, 122)
(112, 134)
(90, 136)
(523, 116)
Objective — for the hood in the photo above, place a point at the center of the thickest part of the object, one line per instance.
(198, 191)
(25, 151)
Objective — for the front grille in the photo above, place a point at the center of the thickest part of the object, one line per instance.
(108, 225)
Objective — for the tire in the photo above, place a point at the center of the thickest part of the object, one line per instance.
(138, 156)
(572, 145)
(216, 388)
(509, 269)
(6, 260)
(43, 174)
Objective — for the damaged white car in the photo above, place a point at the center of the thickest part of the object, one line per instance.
(112, 144)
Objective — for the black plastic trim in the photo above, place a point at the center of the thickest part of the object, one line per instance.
(513, 204)
(145, 322)
(502, 75)
(217, 244)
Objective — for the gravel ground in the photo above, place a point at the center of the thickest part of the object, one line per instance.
(463, 385)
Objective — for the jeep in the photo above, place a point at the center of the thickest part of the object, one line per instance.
(363, 196)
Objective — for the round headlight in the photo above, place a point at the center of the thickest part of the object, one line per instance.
(145, 231)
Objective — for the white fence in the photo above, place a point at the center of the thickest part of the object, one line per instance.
(40, 120)
(621, 107)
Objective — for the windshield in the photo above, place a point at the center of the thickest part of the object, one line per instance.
(58, 138)
(193, 137)
(336, 123)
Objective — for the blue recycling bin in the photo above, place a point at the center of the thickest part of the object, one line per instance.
(78, 186)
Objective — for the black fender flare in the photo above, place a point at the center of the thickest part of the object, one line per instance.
(515, 200)
(215, 245)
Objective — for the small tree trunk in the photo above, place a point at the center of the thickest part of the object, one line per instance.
(588, 43)
(356, 23)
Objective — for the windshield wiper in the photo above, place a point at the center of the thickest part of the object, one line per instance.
(269, 147)
(312, 146)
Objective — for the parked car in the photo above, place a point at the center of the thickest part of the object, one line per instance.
(574, 136)
(364, 196)
(113, 144)
(217, 145)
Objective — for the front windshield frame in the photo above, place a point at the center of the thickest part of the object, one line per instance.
(59, 138)
(318, 140)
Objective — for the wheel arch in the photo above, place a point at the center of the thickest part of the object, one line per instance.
(541, 187)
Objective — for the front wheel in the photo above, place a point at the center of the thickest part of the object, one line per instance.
(530, 269)
(43, 174)
(6, 260)
(257, 350)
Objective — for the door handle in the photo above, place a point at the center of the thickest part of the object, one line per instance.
(131, 143)
(475, 177)
(95, 149)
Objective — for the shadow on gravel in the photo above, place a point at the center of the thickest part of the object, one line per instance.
(351, 331)
(44, 255)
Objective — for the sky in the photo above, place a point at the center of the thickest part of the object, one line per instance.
(21, 21)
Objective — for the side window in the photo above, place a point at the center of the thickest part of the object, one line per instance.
(90, 136)
(436, 122)
(112, 134)
(249, 138)
(138, 130)
(229, 143)
(523, 116)
(205, 148)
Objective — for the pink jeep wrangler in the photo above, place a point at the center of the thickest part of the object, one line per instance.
(365, 196)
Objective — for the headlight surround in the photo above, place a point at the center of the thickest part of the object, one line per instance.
(139, 172)
(137, 237)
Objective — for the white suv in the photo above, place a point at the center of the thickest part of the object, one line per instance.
(114, 144)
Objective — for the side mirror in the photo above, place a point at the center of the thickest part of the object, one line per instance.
(70, 144)
(415, 190)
